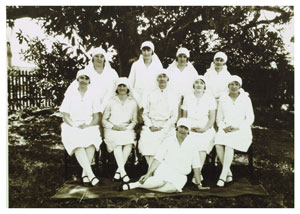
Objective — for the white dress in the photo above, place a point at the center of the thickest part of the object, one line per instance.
(104, 83)
(160, 111)
(81, 111)
(238, 113)
(176, 161)
(217, 82)
(182, 81)
(117, 113)
(143, 78)
(198, 114)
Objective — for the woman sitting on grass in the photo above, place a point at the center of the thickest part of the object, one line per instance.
(119, 120)
(173, 161)
(80, 131)
(234, 119)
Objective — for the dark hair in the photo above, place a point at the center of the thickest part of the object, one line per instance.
(86, 76)
(93, 59)
(202, 81)
(177, 130)
(147, 48)
(165, 75)
(187, 58)
(232, 82)
(127, 91)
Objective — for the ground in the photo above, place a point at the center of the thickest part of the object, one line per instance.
(36, 165)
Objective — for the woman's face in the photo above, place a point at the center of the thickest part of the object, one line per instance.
(219, 63)
(182, 59)
(234, 87)
(83, 80)
(183, 131)
(147, 53)
(99, 59)
(199, 85)
(122, 89)
(162, 80)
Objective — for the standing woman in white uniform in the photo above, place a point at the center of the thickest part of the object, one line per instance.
(80, 131)
(182, 75)
(200, 109)
(103, 75)
(217, 76)
(234, 119)
(103, 78)
(173, 162)
(160, 115)
(119, 120)
(143, 73)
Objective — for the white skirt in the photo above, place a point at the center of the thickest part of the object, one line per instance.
(115, 138)
(150, 141)
(238, 140)
(165, 172)
(74, 138)
(203, 141)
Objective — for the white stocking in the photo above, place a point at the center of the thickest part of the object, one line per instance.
(90, 152)
(228, 157)
(119, 159)
(220, 153)
(83, 161)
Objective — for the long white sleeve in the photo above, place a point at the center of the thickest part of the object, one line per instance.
(220, 116)
(105, 119)
(145, 115)
(134, 119)
(249, 113)
(132, 75)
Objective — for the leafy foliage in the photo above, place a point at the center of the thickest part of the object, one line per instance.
(56, 67)
(243, 32)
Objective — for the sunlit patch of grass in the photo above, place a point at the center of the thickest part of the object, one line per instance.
(36, 166)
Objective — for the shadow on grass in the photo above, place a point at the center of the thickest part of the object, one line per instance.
(36, 169)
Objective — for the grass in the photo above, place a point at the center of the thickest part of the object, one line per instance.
(36, 166)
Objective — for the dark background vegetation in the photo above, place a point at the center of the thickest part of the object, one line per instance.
(243, 33)
(36, 155)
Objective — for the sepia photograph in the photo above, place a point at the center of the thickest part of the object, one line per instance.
(150, 106)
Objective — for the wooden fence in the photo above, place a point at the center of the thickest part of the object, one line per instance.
(23, 91)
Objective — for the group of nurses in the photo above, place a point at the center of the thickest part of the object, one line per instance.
(163, 97)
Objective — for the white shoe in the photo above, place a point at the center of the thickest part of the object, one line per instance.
(229, 178)
(221, 183)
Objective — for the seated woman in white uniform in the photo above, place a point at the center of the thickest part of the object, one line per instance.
(200, 109)
(80, 130)
(103, 76)
(234, 119)
(160, 115)
(173, 162)
(119, 120)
